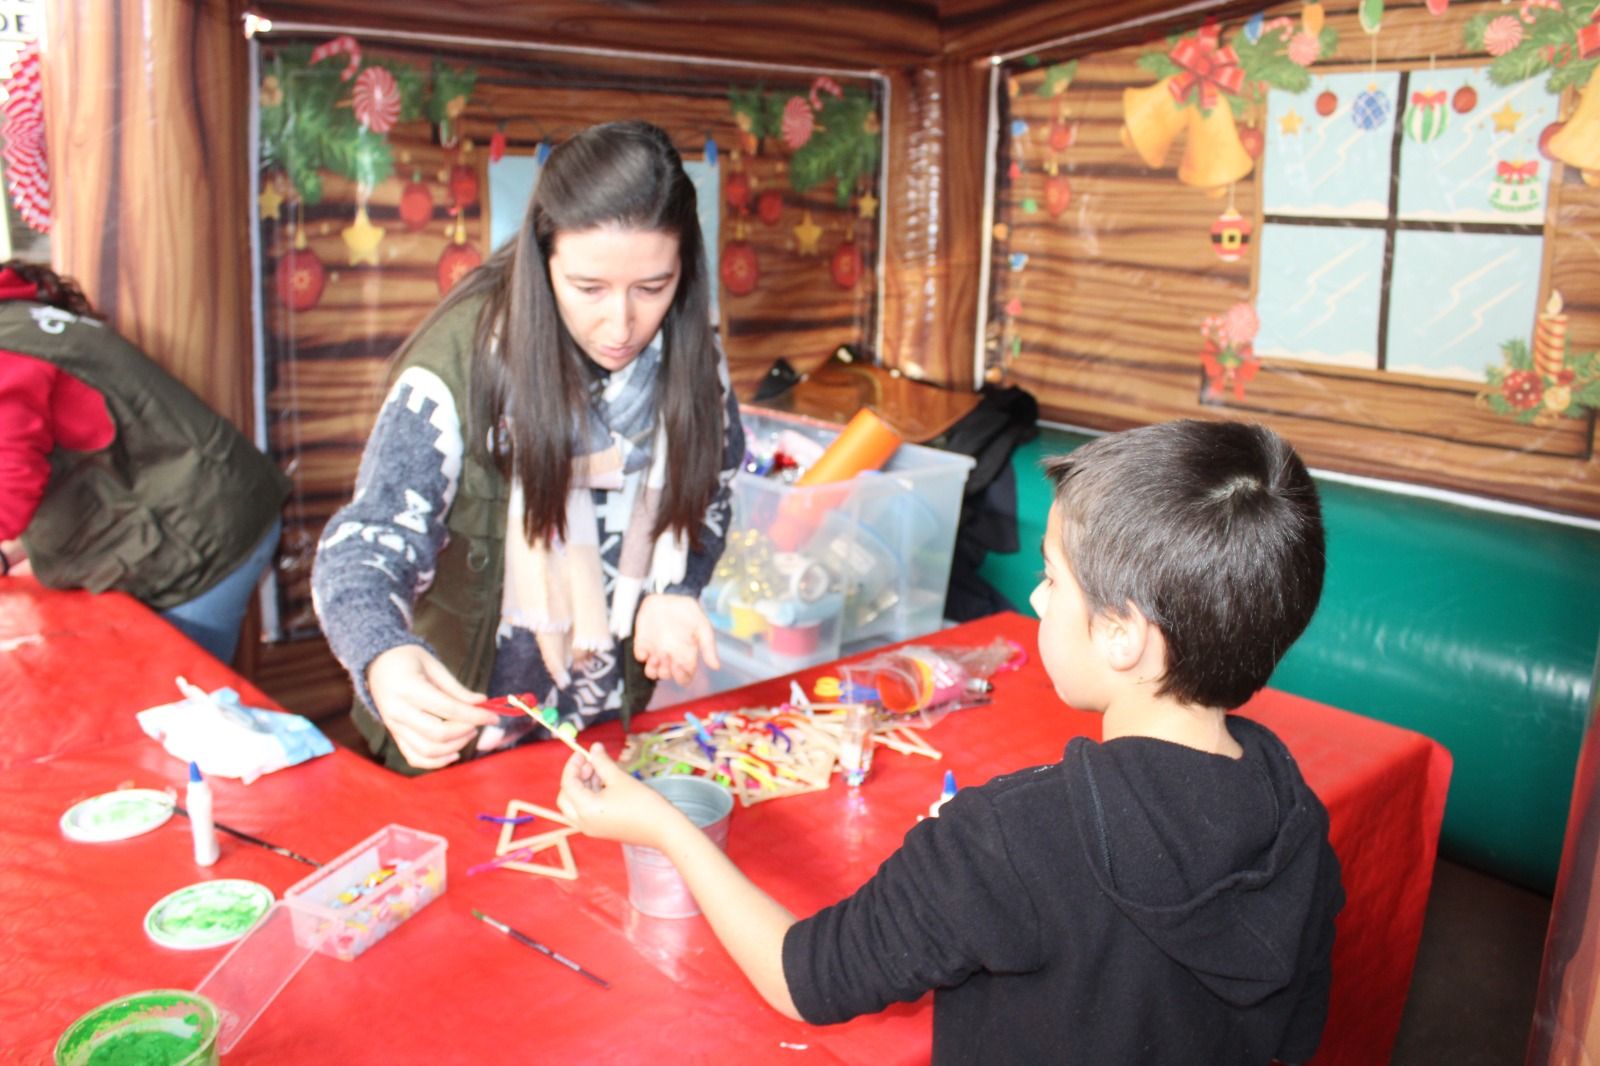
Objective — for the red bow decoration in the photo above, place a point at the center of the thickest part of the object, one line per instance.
(1589, 38)
(1428, 99)
(1223, 367)
(1518, 172)
(1206, 68)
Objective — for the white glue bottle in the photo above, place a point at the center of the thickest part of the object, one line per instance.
(201, 825)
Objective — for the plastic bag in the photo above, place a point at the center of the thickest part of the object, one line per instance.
(228, 739)
(918, 680)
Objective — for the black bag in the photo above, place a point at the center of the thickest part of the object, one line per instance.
(1005, 419)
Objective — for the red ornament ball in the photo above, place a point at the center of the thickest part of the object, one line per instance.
(1465, 99)
(497, 146)
(737, 191)
(1252, 141)
(463, 185)
(769, 207)
(416, 205)
(1057, 194)
(1061, 136)
(1544, 139)
(1327, 103)
(739, 269)
(846, 265)
(457, 262)
(300, 279)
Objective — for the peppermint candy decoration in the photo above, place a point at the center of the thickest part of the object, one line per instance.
(27, 171)
(1502, 35)
(376, 100)
(798, 122)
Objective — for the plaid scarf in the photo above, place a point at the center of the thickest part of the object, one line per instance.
(556, 587)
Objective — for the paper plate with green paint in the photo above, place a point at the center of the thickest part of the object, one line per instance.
(207, 913)
(117, 815)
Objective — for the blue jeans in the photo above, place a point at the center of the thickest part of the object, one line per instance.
(212, 619)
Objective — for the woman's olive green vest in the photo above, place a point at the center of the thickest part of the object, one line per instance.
(459, 614)
(178, 499)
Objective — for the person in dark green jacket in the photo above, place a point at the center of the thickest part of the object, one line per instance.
(547, 487)
(113, 475)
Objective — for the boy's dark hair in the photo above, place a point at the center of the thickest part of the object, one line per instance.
(1213, 531)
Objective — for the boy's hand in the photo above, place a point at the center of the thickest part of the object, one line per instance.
(623, 808)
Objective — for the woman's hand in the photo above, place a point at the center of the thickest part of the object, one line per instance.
(671, 634)
(16, 558)
(430, 714)
(602, 800)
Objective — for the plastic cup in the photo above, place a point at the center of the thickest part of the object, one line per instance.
(655, 887)
(162, 1027)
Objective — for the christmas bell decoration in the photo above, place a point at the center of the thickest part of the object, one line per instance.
(1212, 154)
(1152, 120)
(1577, 143)
(1230, 236)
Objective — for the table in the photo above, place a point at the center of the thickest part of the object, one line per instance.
(444, 987)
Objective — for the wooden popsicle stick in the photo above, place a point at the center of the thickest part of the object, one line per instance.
(533, 712)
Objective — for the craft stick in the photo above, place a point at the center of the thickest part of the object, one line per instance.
(533, 712)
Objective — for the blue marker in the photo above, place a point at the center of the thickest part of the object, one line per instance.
(946, 794)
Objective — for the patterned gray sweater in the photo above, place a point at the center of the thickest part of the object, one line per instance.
(378, 555)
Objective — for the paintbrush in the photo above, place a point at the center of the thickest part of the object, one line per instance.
(523, 938)
(257, 841)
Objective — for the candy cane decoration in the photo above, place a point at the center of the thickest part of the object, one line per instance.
(827, 85)
(344, 45)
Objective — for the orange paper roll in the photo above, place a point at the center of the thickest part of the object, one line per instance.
(866, 443)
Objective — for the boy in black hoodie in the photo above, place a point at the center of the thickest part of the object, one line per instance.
(1166, 895)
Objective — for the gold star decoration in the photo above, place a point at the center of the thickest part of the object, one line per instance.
(806, 235)
(868, 205)
(270, 200)
(1290, 123)
(1506, 119)
(362, 238)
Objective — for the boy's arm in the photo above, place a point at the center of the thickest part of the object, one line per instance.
(750, 924)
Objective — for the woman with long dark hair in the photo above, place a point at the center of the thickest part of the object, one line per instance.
(546, 489)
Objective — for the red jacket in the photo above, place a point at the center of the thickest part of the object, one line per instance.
(41, 408)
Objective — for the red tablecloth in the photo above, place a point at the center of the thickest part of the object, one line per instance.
(445, 988)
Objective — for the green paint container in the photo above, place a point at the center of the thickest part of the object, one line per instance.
(163, 1027)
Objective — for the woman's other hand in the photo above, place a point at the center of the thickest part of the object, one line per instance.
(430, 714)
(603, 800)
(671, 635)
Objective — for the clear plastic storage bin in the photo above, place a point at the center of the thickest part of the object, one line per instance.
(811, 573)
(363, 895)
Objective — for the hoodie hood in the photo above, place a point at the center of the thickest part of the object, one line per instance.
(1216, 860)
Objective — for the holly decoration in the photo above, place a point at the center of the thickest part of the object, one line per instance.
(837, 138)
(1558, 39)
(1519, 389)
(739, 269)
(334, 118)
(1203, 67)
(1227, 354)
(1465, 99)
(845, 266)
(769, 207)
(416, 203)
(459, 258)
(300, 277)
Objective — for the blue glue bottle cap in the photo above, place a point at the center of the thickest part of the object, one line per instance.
(194, 772)
(949, 784)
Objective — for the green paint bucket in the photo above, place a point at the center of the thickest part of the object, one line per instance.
(163, 1027)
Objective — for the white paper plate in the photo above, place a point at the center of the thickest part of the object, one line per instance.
(207, 913)
(116, 815)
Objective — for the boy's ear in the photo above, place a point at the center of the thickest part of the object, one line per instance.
(1122, 638)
